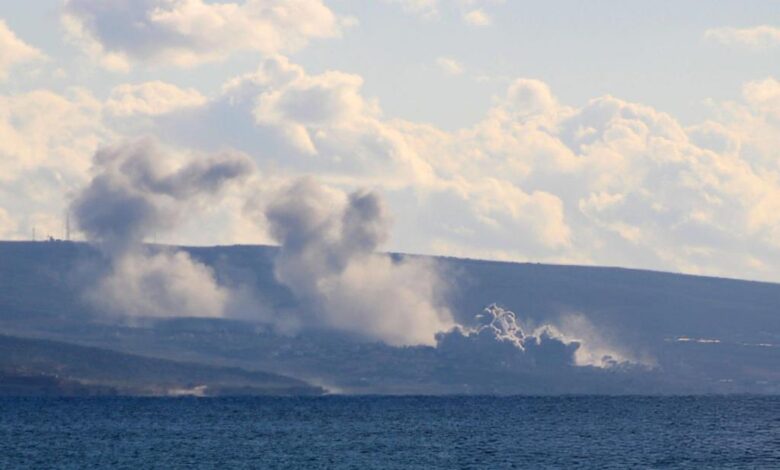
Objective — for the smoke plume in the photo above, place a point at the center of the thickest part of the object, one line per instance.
(329, 260)
(137, 191)
(499, 337)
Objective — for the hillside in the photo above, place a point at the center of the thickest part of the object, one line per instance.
(693, 334)
(43, 364)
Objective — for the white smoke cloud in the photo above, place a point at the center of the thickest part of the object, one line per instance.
(573, 341)
(137, 190)
(328, 259)
(160, 284)
(595, 348)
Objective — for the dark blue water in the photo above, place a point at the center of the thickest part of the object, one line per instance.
(387, 432)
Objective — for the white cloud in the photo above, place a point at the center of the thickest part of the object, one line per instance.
(449, 66)
(527, 97)
(45, 142)
(151, 98)
(471, 11)
(608, 182)
(477, 17)
(763, 96)
(325, 123)
(189, 32)
(756, 37)
(14, 51)
(42, 129)
(422, 8)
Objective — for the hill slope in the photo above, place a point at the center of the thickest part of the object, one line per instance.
(44, 364)
(697, 334)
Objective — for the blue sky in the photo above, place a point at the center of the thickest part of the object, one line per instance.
(639, 134)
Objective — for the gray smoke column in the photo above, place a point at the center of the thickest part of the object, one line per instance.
(329, 260)
(138, 190)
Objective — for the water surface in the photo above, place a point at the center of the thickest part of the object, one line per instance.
(391, 432)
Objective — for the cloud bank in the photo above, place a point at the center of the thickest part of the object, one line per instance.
(609, 182)
(187, 32)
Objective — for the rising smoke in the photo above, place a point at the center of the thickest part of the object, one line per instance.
(500, 337)
(329, 260)
(137, 191)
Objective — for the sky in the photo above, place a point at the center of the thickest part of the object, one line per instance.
(636, 134)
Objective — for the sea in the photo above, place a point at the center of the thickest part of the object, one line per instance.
(340, 432)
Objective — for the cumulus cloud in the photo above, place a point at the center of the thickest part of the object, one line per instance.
(477, 17)
(306, 104)
(422, 8)
(188, 32)
(151, 98)
(632, 186)
(756, 37)
(471, 11)
(495, 212)
(137, 190)
(45, 142)
(14, 51)
(609, 182)
(328, 259)
(307, 122)
(42, 129)
(763, 96)
(449, 66)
